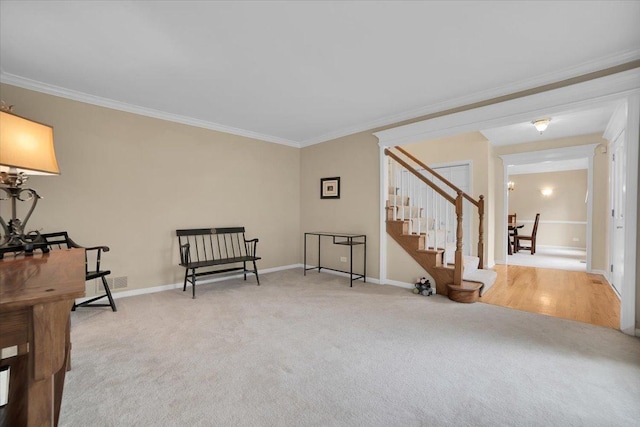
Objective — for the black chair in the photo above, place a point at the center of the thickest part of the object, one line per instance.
(512, 219)
(531, 238)
(62, 240)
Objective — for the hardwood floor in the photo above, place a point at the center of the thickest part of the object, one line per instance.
(571, 295)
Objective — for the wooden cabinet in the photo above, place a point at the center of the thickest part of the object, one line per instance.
(36, 296)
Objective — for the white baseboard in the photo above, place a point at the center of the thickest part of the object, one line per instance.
(154, 289)
(399, 284)
(574, 248)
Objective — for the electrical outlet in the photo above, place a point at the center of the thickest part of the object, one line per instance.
(343, 259)
(576, 239)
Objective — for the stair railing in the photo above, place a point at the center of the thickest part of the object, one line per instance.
(479, 204)
(412, 185)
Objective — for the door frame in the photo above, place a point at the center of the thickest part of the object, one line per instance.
(616, 126)
(564, 153)
(623, 87)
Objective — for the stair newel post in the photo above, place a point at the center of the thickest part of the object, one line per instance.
(457, 275)
(481, 232)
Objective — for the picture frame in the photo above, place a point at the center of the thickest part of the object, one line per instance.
(330, 188)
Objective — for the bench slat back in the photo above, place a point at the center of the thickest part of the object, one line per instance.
(210, 244)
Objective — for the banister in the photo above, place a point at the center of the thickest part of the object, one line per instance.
(437, 175)
(420, 176)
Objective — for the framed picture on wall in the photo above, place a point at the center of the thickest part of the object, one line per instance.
(330, 188)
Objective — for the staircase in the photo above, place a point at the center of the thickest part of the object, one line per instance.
(426, 221)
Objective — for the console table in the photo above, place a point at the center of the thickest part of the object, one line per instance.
(343, 239)
(36, 296)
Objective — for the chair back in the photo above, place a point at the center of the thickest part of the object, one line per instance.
(58, 240)
(535, 225)
(511, 218)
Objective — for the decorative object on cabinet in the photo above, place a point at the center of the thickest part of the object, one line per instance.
(26, 148)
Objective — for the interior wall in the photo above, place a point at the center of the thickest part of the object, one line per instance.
(355, 160)
(563, 214)
(129, 181)
(600, 219)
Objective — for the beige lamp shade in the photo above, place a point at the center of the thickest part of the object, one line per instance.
(26, 146)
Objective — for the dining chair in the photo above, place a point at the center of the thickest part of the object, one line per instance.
(531, 239)
(512, 219)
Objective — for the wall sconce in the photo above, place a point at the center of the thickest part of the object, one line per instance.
(541, 124)
(26, 148)
(546, 192)
(511, 185)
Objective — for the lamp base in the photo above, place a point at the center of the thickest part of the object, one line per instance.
(24, 245)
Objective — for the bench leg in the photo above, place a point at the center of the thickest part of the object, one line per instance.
(186, 275)
(108, 291)
(245, 269)
(255, 271)
(193, 283)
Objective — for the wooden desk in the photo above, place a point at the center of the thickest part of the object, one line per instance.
(36, 296)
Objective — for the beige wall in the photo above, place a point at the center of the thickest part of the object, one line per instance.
(355, 160)
(600, 224)
(129, 181)
(565, 204)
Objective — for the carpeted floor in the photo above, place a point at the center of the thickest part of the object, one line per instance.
(310, 351)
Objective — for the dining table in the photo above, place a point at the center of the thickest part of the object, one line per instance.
(512, 227)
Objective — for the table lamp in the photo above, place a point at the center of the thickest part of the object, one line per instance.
(26, 148)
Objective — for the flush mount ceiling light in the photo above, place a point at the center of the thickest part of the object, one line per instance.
(541, 124)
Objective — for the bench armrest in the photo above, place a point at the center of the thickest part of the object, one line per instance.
(98, 255)
(250, 246)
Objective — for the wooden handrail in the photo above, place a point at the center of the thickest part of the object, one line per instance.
(437, 175)
(420, 176)
(461, 194)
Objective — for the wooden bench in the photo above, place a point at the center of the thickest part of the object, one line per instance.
(204, 250)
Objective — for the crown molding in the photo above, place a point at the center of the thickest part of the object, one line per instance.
(545, 79)
(568, 98)
(549, 78)
(74, 95)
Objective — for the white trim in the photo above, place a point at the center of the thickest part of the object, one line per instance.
(553, 154)
(563, 153)
(553, 77)
(556, 76)
(399, 284)
(566, 99)
(531, 221)
(617, 123)
(629, 282)
(384, 189)
(561, 247)
(154, 289)
(25, 83)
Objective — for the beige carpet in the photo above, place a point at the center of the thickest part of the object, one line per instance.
(310, 351)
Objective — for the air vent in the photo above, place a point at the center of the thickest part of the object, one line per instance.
(113, 282)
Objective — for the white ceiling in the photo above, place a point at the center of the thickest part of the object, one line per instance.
(561, 126)
(304, 72)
